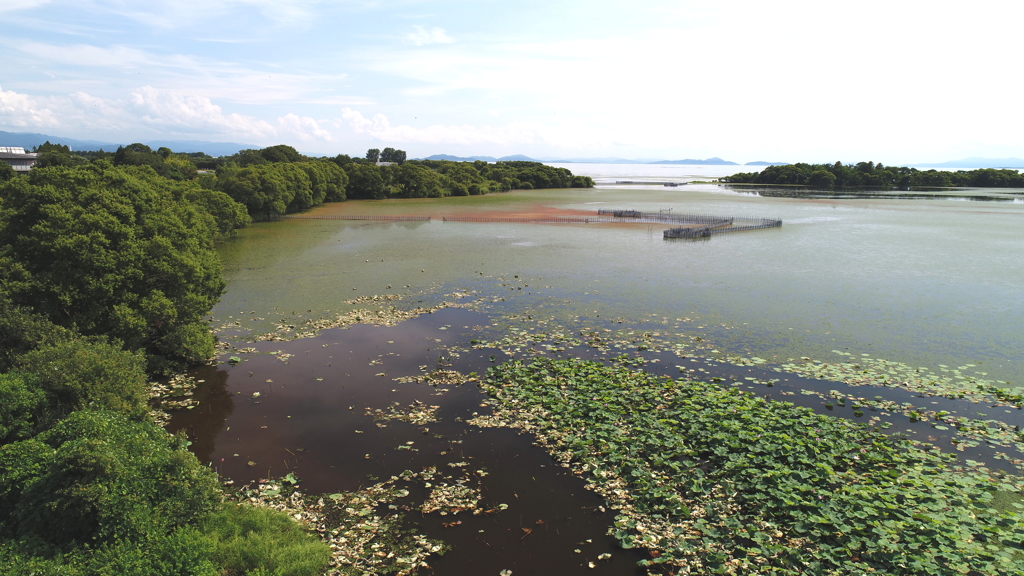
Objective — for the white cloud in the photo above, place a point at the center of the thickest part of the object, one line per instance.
(303, 127)
(23, 110)
(149, 111)
(380, 127)
(181, 112)
(420, 36)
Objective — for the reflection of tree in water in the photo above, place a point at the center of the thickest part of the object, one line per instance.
(203, 423)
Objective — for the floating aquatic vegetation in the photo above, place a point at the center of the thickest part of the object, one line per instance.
(374, 298)
(714, 480)
(362, 540)
(380, 317)
(418, 413)
(452, 498)
(439, 377)
(958, 383)
(175, 394)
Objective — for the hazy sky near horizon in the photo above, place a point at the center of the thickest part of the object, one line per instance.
(892, 81)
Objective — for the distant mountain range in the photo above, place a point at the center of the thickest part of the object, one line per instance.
(31, 140)
(449, 157)
(606, 160)
(716, 161)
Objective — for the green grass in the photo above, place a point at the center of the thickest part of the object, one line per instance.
(257, 541)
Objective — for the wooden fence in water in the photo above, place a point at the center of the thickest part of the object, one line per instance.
(689, 225)
(665, 217)
(737, 225)
(359, 217)
(539, 220)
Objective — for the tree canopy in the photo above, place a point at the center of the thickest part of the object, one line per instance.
(136, 258)
(272, 189)
(871, 175)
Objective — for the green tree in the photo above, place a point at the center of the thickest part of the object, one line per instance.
(373, 154)
(136, 261)
(822, 180)
(22, 330)
(164, 162)
(282, 153)
(98, 478)
(268, 190)
(228, 214)
(364, 182)
(86, 372)
(21, 402)
(247, 157)
(6, 172)
(418, 182)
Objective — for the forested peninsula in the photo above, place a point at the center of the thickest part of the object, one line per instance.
(877, 176)
(108, 268)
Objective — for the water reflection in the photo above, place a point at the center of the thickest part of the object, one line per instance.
(203, 423)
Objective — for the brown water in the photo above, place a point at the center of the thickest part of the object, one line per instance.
(310, 419)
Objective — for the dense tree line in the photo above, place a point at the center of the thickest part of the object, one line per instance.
(279, 180)
(441, 178)
(871, 175)
(106, 272)
(278, 188)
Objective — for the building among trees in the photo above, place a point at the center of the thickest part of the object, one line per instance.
(17, 158)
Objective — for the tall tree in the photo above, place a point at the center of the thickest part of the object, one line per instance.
(373, 154)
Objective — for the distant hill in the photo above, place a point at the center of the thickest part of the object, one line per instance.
(763, 163)
(605, 160)
(976, 162)
(211, 148)
(716, 161)
(451, 158)
(30, 140)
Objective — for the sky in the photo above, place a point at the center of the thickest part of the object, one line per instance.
(891, 81)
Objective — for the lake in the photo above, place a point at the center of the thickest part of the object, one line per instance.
(931, 285)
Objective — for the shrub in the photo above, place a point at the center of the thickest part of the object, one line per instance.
(98, 478)
(22, 330)
(21, 400)
(85, 372)
(253, 540)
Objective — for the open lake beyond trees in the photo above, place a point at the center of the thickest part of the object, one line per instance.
(838, 394)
